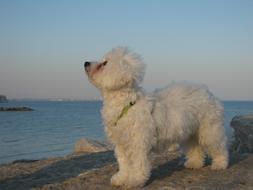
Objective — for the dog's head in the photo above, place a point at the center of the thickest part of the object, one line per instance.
(119, 68)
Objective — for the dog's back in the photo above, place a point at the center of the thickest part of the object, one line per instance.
(180, 109)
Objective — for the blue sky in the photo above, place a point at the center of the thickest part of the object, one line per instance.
(43, 44)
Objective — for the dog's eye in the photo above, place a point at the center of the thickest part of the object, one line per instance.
(104, 63)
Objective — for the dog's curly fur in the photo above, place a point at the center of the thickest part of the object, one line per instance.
(185, 114)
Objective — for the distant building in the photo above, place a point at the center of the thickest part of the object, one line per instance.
(3, 98)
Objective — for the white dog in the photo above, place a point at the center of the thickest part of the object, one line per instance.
(185, 114)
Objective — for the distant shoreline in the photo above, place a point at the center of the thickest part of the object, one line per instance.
(14, 109)
(55, 100)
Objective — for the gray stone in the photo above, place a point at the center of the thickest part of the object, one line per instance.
(90, 145)
(243, 133)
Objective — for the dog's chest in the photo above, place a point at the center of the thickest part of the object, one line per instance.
(110, 114)
(115, 128)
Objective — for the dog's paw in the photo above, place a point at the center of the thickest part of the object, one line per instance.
(219, 163)
(118, 179)
(193, 164)
(135, 181)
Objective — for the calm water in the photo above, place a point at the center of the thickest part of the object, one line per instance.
(54, 127)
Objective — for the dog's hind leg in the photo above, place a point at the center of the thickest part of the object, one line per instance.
(213, 140)
(194, 154)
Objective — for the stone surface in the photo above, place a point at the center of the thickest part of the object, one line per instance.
(92, 171)
(89, 145)
(243, 133)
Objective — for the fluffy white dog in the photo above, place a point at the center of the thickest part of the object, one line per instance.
(135, 124)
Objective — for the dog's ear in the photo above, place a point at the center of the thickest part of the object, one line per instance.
(134, 62)
(130, 62)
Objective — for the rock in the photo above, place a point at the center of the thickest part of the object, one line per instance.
(89, 145)
(243, 133)
(3, 98)
(15, 109)
(92, 171)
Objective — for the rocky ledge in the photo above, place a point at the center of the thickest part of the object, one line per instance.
(243, 133)
(15, 109)
(3, 98)
(92, 170)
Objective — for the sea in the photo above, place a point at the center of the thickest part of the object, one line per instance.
(54, 127)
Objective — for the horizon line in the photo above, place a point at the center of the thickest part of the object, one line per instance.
(96, 99)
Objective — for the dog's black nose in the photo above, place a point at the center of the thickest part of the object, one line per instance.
(86, 64)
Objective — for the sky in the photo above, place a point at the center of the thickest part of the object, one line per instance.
(43, 44)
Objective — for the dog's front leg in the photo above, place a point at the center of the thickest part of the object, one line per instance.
(140, 167)
(121, 176)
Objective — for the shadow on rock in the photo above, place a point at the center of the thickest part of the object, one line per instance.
(59, 171)
(166, 169)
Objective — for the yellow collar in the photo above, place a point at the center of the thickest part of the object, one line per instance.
(124, 111)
